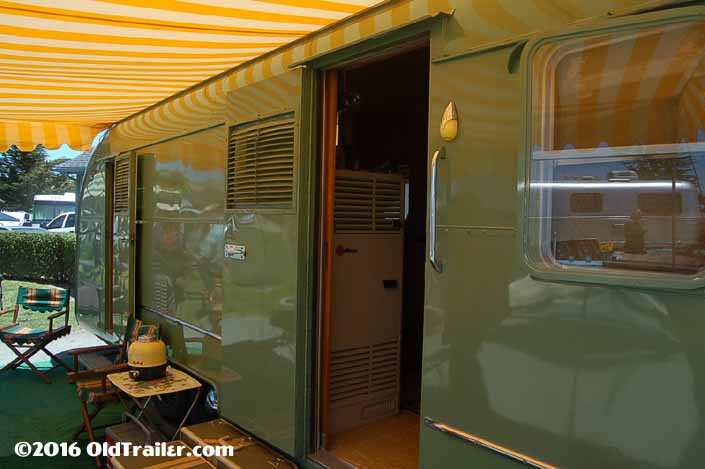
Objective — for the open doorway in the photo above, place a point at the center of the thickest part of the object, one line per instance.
(374, 232)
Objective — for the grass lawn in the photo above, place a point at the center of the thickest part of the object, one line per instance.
(26, 317)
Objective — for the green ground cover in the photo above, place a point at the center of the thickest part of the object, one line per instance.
(35, 411)
(28, 318)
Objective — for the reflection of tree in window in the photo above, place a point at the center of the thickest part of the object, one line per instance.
(679, 169)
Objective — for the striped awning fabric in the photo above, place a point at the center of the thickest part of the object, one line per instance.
(616, 89)
(72, 68)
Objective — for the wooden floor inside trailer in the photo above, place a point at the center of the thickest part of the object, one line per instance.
(389, 443)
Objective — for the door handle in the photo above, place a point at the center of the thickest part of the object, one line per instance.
(435, 262)
(342, 250)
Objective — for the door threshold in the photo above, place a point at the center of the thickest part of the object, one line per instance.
(330, 461)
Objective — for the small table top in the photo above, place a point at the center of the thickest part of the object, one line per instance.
(174, 381)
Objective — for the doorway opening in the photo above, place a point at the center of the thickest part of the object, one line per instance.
(373, 232)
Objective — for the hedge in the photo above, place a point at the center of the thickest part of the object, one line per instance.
(38, 257)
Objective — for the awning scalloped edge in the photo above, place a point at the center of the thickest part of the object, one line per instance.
(26, 134)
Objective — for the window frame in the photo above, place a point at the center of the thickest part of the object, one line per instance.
(549, 271)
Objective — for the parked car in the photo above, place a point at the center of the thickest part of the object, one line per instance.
(31, 229)
(64, 223)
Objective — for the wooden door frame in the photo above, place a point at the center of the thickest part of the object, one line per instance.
(327, 194)
(329, 134)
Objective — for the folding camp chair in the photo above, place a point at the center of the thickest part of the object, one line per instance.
(26, 341)
(92, 385)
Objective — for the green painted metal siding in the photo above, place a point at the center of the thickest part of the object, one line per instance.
(261, 308)
(571, 374)
(476, 242)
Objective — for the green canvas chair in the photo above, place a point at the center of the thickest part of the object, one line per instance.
(27, 341)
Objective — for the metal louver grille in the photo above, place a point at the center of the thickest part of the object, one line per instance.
(364, 372)
(367, 202)
(388, 204)
(122, 182)
(349, 374)
(353, 203)
(261, 164)
(385, 367)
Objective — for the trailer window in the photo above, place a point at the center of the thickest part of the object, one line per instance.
(588, 202)
(618, 152)
(661, 204)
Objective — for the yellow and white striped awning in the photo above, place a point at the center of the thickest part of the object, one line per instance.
(71, 68)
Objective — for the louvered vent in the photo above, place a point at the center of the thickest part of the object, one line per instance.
(388, 204)
(364, 373)
(261, 164)
(349, 374)
(354, 203)
(385, 367)
(121, 195)
(367, 202)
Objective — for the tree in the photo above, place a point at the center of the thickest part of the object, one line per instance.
(660, 169)
(668, 169)
(24, 174)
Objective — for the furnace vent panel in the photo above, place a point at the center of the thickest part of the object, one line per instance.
(367, 298)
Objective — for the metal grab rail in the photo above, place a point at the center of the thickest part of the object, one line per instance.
(435, 262)
(483, 443)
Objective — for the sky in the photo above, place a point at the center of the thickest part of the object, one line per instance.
(65, 151)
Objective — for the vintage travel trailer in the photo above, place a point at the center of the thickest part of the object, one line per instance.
(354, 240)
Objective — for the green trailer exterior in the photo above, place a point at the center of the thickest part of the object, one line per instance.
(571, 369)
